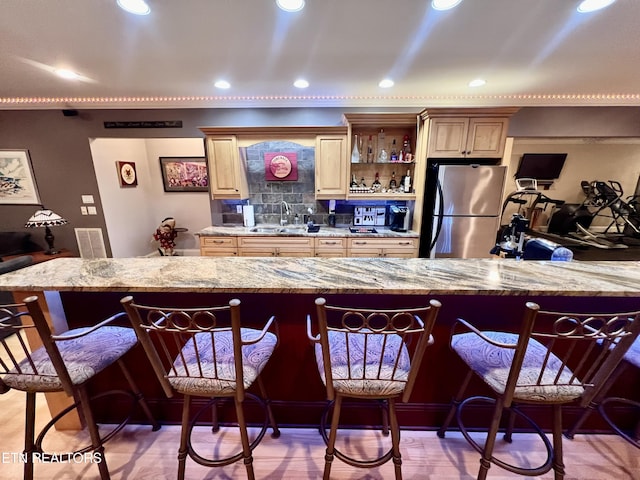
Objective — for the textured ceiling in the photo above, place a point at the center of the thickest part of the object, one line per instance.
(539, 52)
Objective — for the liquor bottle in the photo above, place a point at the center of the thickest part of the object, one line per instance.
(394, 151)
(407, 182)
(362, 183)
(382, 156)
(377, 186)
(355, 154)
(370, 150)
(406, 149)
(354, 182)
(392, 183)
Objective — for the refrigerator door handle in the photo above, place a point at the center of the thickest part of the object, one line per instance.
(440, 212)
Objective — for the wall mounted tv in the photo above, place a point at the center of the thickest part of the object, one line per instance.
(541, 166)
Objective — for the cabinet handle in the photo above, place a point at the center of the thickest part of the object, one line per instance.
(331, 243)
(218, 241)
(404, 243)
(359, 243)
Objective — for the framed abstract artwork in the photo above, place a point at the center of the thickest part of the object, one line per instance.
(17, 183)
(184, 174)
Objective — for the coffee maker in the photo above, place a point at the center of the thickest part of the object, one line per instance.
(399, 218)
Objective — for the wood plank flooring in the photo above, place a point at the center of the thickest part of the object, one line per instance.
(138, 453)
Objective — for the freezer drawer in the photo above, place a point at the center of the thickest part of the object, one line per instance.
(466, 237)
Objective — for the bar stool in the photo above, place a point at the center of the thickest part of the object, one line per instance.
(553, 360)
(369, 354)
(65, 362)
(205, 352)
(631, 359)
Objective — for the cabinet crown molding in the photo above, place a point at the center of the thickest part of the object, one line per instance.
(468, 112)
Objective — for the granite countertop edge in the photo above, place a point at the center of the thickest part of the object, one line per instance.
(301, 231)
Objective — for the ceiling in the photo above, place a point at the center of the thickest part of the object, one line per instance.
(539, 52)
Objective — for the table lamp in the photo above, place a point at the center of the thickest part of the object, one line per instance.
(46, 218)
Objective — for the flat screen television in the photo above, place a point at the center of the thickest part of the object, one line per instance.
(541, 166)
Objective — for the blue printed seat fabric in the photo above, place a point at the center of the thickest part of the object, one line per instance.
(633, 354)
(209, 378)
(350, 374)
(492, 364)
(84, 357)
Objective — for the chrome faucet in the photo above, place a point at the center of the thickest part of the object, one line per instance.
(284, 207)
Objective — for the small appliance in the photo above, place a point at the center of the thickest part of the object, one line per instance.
(399, 218)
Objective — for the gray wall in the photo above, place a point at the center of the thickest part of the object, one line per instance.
(61, 157)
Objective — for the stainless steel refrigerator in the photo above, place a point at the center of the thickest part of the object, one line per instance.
(462, 210)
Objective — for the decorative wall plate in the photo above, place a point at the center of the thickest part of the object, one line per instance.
(281, 166)
(127, 174)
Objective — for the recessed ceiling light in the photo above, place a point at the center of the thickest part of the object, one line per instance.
(587, 6)
(444, 4)
(386, 83)
(66, 74)
(478, 82)
(137, 7)
(222, 84)
(301, 83)
(290, 5)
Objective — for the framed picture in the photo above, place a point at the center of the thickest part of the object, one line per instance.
(184, 174)
(281, 166)
(17, 183)
(127, 174)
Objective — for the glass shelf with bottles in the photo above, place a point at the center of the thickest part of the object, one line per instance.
(381, 187)
(380, 148)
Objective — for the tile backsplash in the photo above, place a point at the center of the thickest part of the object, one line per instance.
(267, 196)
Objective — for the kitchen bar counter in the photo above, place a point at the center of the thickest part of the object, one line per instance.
(488, 292)
(415, 276)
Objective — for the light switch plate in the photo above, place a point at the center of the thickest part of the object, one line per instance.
(83, 210)
(87, 199)
(92, 210)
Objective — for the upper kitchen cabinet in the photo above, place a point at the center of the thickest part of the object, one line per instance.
(382, 150)
(227, 173)
(467, 133)
(331, 167)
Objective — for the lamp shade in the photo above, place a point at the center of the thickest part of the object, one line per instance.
(45, 218)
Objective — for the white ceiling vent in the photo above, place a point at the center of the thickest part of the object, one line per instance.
(90, 243)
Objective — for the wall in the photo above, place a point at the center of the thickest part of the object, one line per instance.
(62, 160)
(132, 214)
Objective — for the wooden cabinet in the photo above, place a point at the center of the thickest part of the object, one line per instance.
(382, 247)
(226, 246)
(331, 167)
(331, 247)
(378, 131)
(227, 171)
(467, 133)
(257, 246)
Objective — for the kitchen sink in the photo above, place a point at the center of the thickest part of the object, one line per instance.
(265, 229)
(282, 230)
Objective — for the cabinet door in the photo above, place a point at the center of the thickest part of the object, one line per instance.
(331, 167)
(487, 137)
(227, 173)
(448, 137)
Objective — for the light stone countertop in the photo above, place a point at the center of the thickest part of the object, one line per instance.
(300, 230)
(413, 276)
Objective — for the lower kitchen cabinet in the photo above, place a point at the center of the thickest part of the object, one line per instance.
(226, 246)
(275, 246)
(382, 247)
(300, 246)
(331, 247)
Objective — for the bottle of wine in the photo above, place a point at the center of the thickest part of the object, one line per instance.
(377, 186)
(406, 149)
(362, 183)
(394, 151)
(393, 184)
(407, 182)
(354, 182)
(370, 150)
(355, 153)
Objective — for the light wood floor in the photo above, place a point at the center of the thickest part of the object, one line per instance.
(138, 453)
